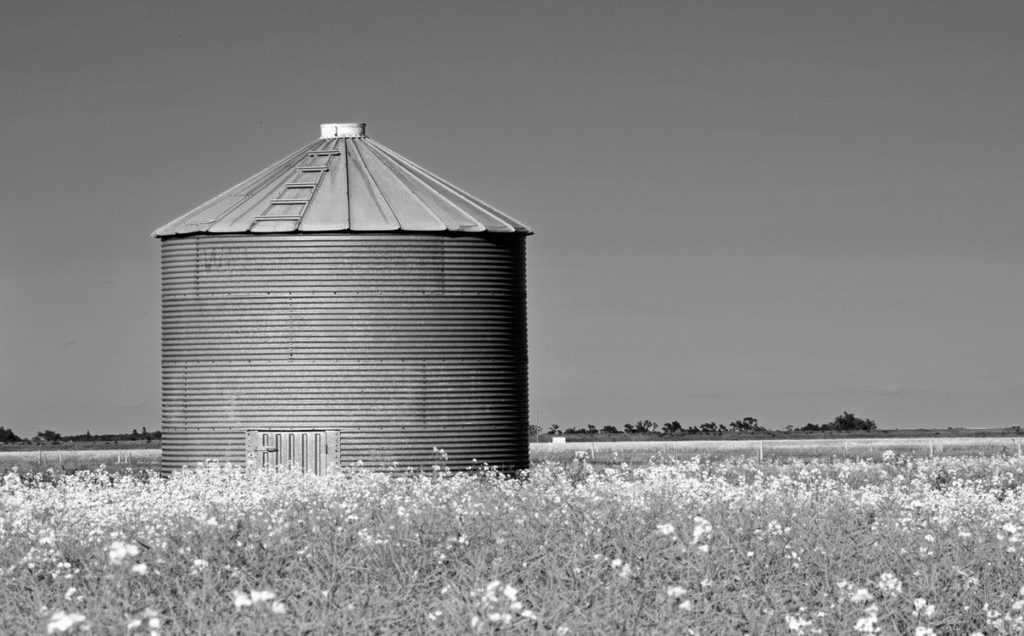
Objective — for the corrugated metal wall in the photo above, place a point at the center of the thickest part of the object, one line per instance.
(401, 342)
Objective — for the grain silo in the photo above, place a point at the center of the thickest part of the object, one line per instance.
(344, 305)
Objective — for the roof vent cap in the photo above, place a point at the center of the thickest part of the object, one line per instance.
(333, 131)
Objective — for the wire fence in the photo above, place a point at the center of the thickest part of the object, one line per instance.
(79, 459)
(615, 452)
(604, 452)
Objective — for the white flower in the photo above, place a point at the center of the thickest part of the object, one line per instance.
(490, 594)
(675, 591)
(62, 621)
(921, 630)
(119, 551)
(921, 606)
(616, 563)
(797, 624)
(861, 596)
(866, 624)
(888, 582)
(71, 592)
(499, 617)
(666, 529)
(241, 599)
(140, 568)
(701, 527)
(278, 607)
(261, 596)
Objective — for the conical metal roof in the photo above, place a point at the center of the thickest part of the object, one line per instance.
(343, 182)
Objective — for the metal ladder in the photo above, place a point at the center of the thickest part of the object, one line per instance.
(284, 208)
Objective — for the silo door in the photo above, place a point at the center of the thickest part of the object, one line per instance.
(308, 451)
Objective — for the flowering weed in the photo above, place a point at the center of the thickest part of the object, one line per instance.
(790, 546)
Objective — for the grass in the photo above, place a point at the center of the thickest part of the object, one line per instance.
(898, 544)
(72, 461)
(66, 461)
(612, 453)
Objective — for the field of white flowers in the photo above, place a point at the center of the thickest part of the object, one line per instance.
(893, 546)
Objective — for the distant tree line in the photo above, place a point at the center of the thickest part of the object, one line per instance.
(668, 429)
(844, 422)
(747, 425)
(7, 436)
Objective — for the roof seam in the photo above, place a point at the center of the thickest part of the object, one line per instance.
(447, 200)
(375, 190)
(413, 167)
(426, 207)
(348, 187)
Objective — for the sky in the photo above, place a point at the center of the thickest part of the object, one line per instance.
(783, 210)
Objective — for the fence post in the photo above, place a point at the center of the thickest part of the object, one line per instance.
(760, 450)
(1018, 448)
(931, 448)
